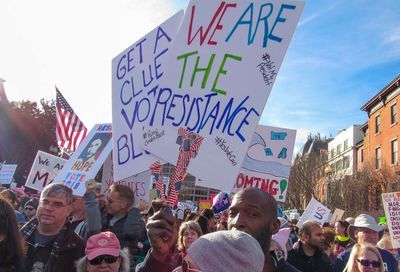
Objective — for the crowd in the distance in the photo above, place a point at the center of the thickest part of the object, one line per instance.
(63, 232)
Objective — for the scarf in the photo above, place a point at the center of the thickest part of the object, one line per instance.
(343, 238)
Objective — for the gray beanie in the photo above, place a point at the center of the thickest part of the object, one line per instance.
(227, 250)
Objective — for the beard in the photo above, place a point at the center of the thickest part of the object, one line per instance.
(264, 239)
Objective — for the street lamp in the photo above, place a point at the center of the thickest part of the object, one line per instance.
(328, 174)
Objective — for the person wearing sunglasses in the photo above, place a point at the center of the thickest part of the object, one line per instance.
(103, 254)
(366, 230)
(364, 258)
(30, 208)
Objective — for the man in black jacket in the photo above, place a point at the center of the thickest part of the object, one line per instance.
(309, 255)
(51, 242)
(123, 219)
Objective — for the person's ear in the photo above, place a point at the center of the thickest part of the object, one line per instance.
(275, 225)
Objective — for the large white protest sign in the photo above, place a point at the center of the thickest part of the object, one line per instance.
(314, 211)
(268, 161)
(391, 205)
(87, 159)
(224, 61)
(140, 184)
(7, 173)
(44, 169)
(136, 73)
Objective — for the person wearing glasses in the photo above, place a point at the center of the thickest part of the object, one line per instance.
(51, 242)
(366, 230)
(103, 253)
(364, 258)
(30, 208)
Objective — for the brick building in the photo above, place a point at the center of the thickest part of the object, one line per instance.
(382, 130)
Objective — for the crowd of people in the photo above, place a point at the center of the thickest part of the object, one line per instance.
(61, 232)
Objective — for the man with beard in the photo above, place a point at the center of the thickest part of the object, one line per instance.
(308, 256)
(252, 210)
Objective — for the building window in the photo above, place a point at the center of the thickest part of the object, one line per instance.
(361, 155)
(332, 153)
(378, 158)
(377, 124)
(393, 114)
(394, 151)
(346, 162)
(338, 148)
(346, 145)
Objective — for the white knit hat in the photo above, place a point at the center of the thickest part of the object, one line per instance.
(230, 250)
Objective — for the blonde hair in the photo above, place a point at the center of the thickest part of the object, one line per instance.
(187, 225)
(385, 242)
(356, 252)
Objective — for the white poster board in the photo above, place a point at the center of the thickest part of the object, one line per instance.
(135, 72)
(225, 59)
(44, 169)
(391, 205)
(87, 159)
(140, 184)
(7, 173)
(315, 211)
(268, 161)
(337, 215)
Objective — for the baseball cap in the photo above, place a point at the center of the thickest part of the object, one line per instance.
(104, 243)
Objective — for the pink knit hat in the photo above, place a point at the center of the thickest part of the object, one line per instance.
(281, 238)
(104, 243)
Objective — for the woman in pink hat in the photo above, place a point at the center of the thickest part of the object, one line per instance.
(103, 254)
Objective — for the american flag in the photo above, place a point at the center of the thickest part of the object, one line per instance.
(69, 128)
(156, 170)
(180, 170)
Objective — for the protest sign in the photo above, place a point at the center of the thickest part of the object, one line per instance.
(391, 205)
(7, 173)
(44, 169)
(220, 202)
(87, 159)
(288, 212)
(314, 211)
(337, 215)
(226, 57)
(268, 161)
(204, 204)
(187, 204)
(135, 73)
(140, 184)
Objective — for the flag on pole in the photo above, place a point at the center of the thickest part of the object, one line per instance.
(69, 128)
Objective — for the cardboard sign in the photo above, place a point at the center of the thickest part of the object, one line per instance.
(391, 204)
(140, 184)
(337, 215)
(225, 59)
(135, 74)
(44, 169)
(268, 161)
(87, 159)
(7, 173)
(315, 211)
